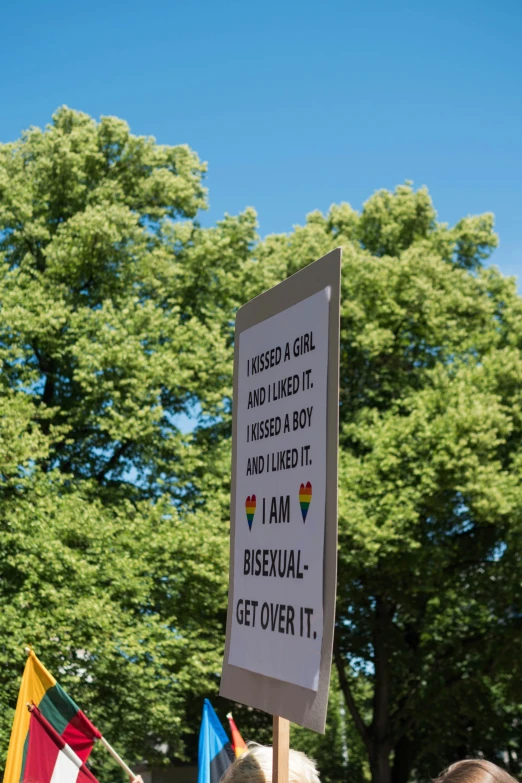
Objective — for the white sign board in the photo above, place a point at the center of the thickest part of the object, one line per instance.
(281, 607)
(277, 621)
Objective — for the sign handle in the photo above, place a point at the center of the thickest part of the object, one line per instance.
(281, 745)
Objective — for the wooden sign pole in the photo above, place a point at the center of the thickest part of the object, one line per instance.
(281, 745)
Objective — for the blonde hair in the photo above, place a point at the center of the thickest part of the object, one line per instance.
(255, 766)
(474, 771)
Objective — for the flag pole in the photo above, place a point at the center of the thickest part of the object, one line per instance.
(117, 758)
(103, 741)
(281, 745)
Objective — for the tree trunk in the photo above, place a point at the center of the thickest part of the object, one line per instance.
(380, 763)
(380, 729)
(377, 737)
(403, 760)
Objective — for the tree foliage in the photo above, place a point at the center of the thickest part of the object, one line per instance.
(430, 485)
(116, 321)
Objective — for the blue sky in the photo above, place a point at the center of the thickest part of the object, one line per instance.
(295, 105)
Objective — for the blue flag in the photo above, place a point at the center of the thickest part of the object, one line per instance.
(215, 751)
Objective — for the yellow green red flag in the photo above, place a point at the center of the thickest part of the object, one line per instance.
(40, 688)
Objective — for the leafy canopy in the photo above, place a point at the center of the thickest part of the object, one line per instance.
(430, 484)
(117, 314)
(115, 319)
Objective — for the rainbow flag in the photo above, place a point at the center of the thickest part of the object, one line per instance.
(238, 743)
(40, 689)
(48, 758)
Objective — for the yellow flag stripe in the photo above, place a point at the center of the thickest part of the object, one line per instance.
(36, 681)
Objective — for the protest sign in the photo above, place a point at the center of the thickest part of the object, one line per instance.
(284, 497)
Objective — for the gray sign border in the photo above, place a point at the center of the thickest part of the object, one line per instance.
(298, 704)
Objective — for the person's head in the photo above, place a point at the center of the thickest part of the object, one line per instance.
(474, 771)
(255, 766)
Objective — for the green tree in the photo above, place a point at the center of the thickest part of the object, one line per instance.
(430, 512)
(115, 320)
(339, 753)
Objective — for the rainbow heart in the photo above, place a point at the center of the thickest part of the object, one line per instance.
(305, 498)
(250, 506)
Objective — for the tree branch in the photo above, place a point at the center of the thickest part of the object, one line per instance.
(110, 464)
(381, 699)
(360, 725)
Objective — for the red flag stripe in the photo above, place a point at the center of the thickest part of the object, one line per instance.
(80, 735)
(45, 745)
(41, 754)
